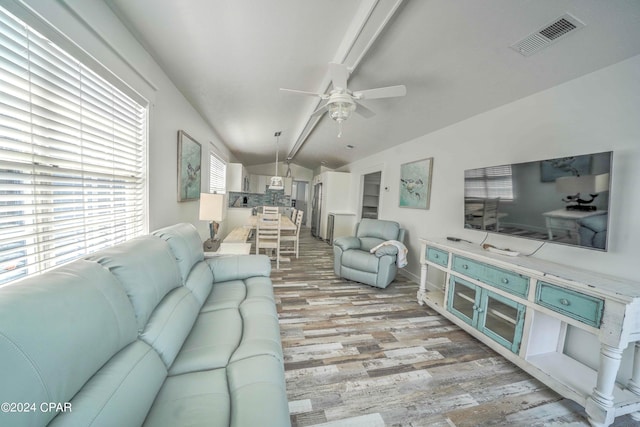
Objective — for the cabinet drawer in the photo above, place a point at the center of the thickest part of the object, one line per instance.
(437, 256)
(584, 308)
(508, 281)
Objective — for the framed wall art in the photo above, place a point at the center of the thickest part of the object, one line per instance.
(550, 170)
(189, 167)
(415, 184)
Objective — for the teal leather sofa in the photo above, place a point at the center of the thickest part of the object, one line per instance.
(353, 260)
(144, 333)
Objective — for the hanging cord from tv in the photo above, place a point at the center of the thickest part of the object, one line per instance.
(532, 253)
(537, 249)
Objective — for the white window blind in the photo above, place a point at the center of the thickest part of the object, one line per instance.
(72, 156)
(217, 174)
(491, 182)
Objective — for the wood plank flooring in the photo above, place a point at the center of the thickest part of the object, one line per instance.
(356, 356)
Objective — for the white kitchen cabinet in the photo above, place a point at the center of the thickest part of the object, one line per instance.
(258, 183)
(237, 178)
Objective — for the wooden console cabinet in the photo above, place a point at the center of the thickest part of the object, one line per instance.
(523, 308)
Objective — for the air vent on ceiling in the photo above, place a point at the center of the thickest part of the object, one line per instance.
(547, 35)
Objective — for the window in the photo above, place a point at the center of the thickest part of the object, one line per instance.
(72, 156)
(217, 174)
(488, 183)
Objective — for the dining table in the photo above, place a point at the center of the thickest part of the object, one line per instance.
(285, 223)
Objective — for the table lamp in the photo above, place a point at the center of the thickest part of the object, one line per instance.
(577, 185)
(212, 209)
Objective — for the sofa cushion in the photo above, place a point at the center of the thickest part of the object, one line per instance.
(258, 393)
(147, 270)
(200, 281)
(212, 341)
(239, 267)
(193, 399)
(260, 331)
(171, 323)
(237, 327)
(185, 244)
(56, 331)
(232, 293)
(120, 393)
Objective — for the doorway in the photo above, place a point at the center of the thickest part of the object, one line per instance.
(371, 195)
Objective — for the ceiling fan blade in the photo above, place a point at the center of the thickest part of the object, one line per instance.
(381, 92)
(320, 110)
(339, 75)
(302, 92)
(364, 111)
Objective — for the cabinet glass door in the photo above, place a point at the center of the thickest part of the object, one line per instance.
(501, 319)
(463, 299)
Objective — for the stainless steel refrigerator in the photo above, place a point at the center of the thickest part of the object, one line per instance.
(316, 205)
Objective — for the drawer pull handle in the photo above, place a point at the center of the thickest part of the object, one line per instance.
(465, 266)
(505, 280)
(565, 301)
(436, 256)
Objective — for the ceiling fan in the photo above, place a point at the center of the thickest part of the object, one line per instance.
(341, 102)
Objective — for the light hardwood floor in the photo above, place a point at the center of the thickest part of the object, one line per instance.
(356, 356)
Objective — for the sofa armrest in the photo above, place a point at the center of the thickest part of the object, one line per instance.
(386, 250)
(239, 267)
(347, 242)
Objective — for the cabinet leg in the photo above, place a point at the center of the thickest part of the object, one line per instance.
(422, 291)
(634, 382)
(600, 404)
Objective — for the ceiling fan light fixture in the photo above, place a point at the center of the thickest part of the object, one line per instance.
(341, 109)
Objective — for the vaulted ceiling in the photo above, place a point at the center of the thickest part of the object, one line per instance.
(230, 58)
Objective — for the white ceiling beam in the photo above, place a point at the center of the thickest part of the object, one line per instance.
(370, 19)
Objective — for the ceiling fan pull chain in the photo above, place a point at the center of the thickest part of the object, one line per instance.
(339, 129)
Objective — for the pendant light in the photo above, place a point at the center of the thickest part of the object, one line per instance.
(276, 181)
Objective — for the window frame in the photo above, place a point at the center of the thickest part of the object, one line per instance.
(489, 183)
(55, 165)
(217, 173)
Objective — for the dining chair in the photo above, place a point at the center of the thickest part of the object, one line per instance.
(270, 210)
(294, 213)
(268, 235)
(487, 216)
(292, 237)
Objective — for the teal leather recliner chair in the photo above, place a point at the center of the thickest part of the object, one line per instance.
(354, 261)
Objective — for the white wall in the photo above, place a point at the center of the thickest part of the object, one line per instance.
(96, 30)
(595, 113)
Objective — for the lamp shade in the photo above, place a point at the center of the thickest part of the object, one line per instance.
(586, 184)
(212, 207)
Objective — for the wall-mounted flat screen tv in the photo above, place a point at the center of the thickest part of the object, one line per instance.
(563, 200)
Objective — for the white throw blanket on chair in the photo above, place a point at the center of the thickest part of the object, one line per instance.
(401, 259)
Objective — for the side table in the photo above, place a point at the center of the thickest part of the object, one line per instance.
(567, 220)
(230, 249)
